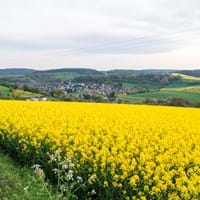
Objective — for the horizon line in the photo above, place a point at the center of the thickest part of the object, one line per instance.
(95, 68)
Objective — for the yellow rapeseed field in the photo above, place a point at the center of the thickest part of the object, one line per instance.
(120, 151)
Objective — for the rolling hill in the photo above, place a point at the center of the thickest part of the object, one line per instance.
(7, 93)
(16, 71)
(195, 73)
(155, 84)
(80, 71)
(187, 77)
(187, 87)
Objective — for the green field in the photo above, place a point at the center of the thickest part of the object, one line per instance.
(52, 77)
(6, 92)
(193, 89)
(194, 97)
(187, 88)
(64, 76)
(129, 85)
(17, 183)
(187, 77)
(26, 94)
(180, 84)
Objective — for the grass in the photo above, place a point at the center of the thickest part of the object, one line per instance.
(187, 77)
(179, 85)
(64, 75)
(195, 89)
(183, 86)
(61, 76)
(129, 85)
(4, 91)
(139, 97)
(25, 94)
(130, 98)
(7, 92)
(18, 183)
(187, 88)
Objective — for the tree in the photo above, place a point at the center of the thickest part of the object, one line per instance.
(57, 93)
(12, 92)
(111, 95)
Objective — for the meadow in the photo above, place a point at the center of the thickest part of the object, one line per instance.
(187, 88)
(20, 183)
(191, 94)
(187, 77)
(11, 93)
(107, 151)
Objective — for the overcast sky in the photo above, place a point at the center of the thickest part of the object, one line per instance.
(101, 34)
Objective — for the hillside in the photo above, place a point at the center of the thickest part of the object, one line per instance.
(143, 71)
(34, 78)
(9, 93)
(16, 71)
(195, 73)
(187, 77)
(77, 84)
(186, 87)
(80, 71)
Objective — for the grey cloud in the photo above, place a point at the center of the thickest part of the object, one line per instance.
(98, 27)
(95, 44)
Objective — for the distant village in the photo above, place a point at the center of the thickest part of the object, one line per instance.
(83, 89)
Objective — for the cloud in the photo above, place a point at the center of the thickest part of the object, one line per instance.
(80, 28)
